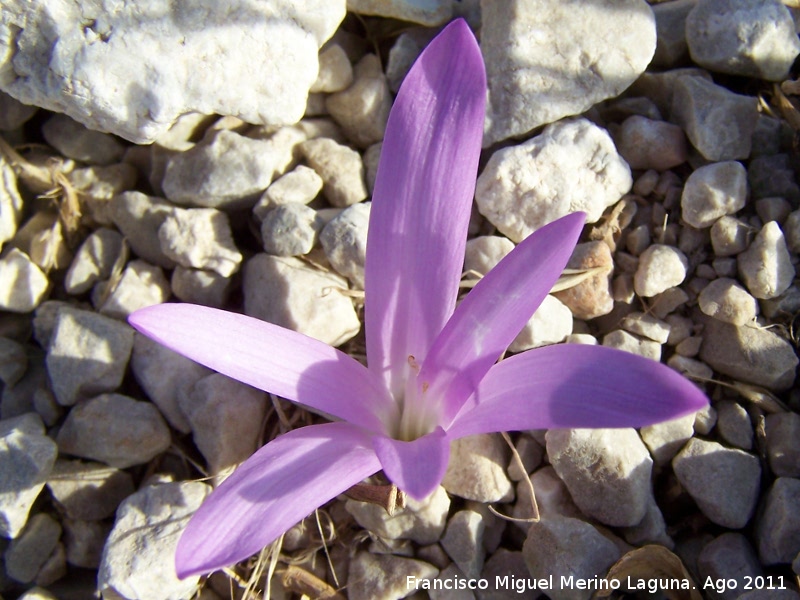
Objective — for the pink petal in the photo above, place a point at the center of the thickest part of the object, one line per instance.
(416, 467)
(421, 204)
(493, 313)
(571, 385)
(272, 359)
(278, 486)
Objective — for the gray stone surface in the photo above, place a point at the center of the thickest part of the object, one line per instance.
(114, 429)
(341, 170)
(74, 140)
(477, 469)
(778, 526)
(725, 483)
(87, 355)
(91, 74)
(766, 267)
(88, 491)
(139, 217)
(743, 37)
(344, 240)
(28, 283)
(93, 261)
(733, 424)
(384, 576)
(726, 300)
(28, 553)
(729, 556)
(200, 238)
(783, 451)
(290, 230)
(541, 50)
(139, 557)
(661, 267)
(463, 541)
(607, 472)
(141, 285)
(713, 191)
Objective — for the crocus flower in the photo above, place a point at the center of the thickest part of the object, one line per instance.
(432, 373)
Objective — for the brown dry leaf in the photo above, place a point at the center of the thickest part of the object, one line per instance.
(610, 230)
(787, 108)
(653, 562)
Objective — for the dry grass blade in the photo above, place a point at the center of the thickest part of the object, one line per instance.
(302, 582)
(653, 562)
(573, 277)
(534, 505)
(787, 108)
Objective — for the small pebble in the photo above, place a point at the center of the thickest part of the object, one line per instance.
(76, 141)
(341, 169)
(26, 284)
(660, 268)
(778, 525)
(384, 576)
(84, 542)
(199, 286)
(93, 261)
(140, 286)
(783, 451)
(730, 236)
(299, 186)
(484, 252)
(463, 541)
(88, 491)
(726, 300)
(733, 424)
(139, 217)
(344, 240)
(335, 70)
(729, 557)
(647, 326)
(28, 553)
(550, 324)
(713, 191)
(649, 144)
(591, 298)
(477, 469)
(665, 439)
(200, 238)
(766, 266)
(622, 340)
(290, 230)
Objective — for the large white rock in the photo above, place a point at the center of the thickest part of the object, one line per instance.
(132, 68)
(545, 61)
(573, 165)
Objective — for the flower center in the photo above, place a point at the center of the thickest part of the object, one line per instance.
(417, 416)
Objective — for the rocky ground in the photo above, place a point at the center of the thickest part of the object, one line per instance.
(676, 135)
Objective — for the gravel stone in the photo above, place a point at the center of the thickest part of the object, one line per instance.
(485, 251)
(27, 456)
(200, 238)
(87, 355)
(730, 236)
(226, 170)
(569, 64)
(733, 424)
(140, 286)
(341, 170)
(28, 284)
(743, 37)
(114, 429)
(344, 240)
(778, 526)
(724, 482)
(299, 186)
(289, 293)
(729, 556)
(84, 542)
(138, 559)
(691, 368)
(463, 541)
(726, 300)
(93, 261)
(260, 70)
(199, 286)
(647, 326)
(571, 166)
(550, 324)
(10, 199)
(651, 530)
(503, 563)
(718, 123)
(592, 297)
(773, 176)
(290, 230)
(648, 144)
(13, 361)
(713, 191)
(217, 399)
(384, 576)
(74, 140)
(14, 114)
(29, 552)
(165, 376)
(783, 451)
(335, 70)
(607, 472)
(139, 218)
(477, 469)
(660, 268)
(561, 547)
(362, 110)
(622, 340)
(773, 209)
(671, 47)
(665, 439)
(98, 185)
(750, 354)
(422, 521)
(530, 452)
(766, 267)
(88, 491)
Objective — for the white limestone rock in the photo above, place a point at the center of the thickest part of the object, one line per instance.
(484, 252)
(254, 61)
(344, 240)
(93, 261)
(754, 38)
(290, 230)
(140, 286)
(362, 110)
(341, 170)
(373, 576)
(571, 166)
(139, 218)
(665, 439)
(200, 238)
(299, 186)
(200, 286)
(288, 292)
(28, 553)
(75, 141)
(27, 456)
(139, 558)
(726, 300)
(477, 469)
(335, 71)
(713, 191)
(660, 268)
(10, 201)
(541, 50)
(550, 324)
(88, 491)
(766, 266)
(25, 285)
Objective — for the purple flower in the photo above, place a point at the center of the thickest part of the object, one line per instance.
(432, 374)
